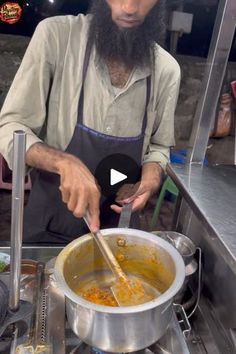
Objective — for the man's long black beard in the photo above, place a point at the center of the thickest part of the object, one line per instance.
(133, 46)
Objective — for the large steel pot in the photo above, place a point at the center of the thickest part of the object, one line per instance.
(121, 329)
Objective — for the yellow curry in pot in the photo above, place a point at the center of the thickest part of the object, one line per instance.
(103, 295)
(93, 282)
(99, 296)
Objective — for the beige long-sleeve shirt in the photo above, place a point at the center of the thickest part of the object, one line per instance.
(43, 98)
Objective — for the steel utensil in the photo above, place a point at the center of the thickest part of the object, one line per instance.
(125, 215)
(127, 290)
(182, 243)
(146, 323)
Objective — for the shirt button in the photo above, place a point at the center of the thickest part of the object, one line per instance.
(108, 129)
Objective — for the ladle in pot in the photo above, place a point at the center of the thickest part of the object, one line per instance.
(127, 290)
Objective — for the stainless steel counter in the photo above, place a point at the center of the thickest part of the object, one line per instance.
(211, 194)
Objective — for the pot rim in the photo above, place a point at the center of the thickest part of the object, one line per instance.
(166, 296)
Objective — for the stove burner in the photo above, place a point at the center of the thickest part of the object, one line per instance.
(55, 331)
(83, 348)
(17, 330)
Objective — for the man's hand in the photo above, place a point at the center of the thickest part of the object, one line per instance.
(79, 190)
(77, 185)
(139, 193)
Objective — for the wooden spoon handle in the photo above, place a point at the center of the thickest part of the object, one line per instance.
(107, 254)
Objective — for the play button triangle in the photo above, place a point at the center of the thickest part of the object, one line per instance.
(116, 177)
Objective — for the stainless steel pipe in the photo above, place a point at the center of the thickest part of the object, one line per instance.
(18, 178)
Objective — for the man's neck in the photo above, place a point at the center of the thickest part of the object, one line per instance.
(119, 73)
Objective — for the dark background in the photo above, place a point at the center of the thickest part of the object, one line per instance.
(196, 43)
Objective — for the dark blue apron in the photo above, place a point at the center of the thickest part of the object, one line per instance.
(46, 217)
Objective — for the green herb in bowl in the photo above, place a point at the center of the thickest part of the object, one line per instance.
(4, 261)
(2, 266)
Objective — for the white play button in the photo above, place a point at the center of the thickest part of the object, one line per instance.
(116, 177)
(114, 171)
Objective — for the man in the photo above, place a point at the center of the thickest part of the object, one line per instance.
(88, 87)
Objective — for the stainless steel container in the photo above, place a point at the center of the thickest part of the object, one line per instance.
(182, 243)
(187, 249)
(121, 329)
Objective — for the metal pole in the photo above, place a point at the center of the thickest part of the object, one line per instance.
(19, 142)
(217, 60)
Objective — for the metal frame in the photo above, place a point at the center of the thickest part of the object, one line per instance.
(217, 60)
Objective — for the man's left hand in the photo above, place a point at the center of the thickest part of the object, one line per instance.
(139, 193)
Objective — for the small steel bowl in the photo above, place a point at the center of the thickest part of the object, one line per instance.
(182, 243)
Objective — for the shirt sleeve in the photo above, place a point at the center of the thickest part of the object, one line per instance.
(162, 137)
(25, 105)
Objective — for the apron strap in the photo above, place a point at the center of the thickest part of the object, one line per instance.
(148, 93)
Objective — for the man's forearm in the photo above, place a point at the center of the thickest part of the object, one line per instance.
(45, 157)
(78, 187)
(152, 172)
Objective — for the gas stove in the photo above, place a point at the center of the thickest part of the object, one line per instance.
(46, 330)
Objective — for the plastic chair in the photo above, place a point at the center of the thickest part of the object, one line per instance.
(167, 186)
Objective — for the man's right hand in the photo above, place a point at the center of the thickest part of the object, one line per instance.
(79, 190)
(77, 184)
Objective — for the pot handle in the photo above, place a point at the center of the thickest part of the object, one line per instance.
(199, 287)
(184, 319)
